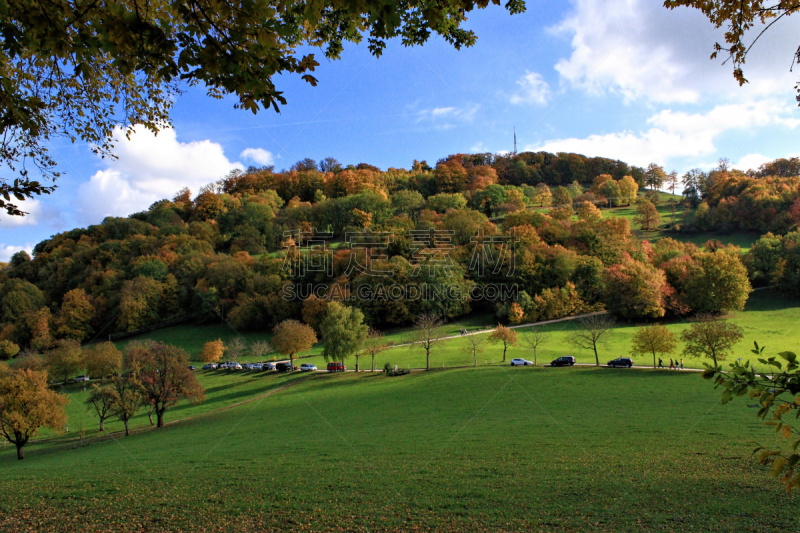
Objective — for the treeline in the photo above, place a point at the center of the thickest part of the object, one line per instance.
(727, 200)
(467, 236)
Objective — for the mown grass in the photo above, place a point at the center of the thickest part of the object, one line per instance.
(491, 449)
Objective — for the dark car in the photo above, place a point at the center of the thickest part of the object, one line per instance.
(336, 367)
(283, 367)
(625, 362)
(564, 360)
(268, 366)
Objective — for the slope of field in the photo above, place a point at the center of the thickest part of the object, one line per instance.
(496, 449)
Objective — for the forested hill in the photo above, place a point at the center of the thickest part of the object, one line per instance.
(247, 248)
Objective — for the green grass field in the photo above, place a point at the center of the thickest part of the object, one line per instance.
(488, 449)
(766, 319)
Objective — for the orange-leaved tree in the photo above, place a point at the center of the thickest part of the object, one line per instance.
(291, 336)
(26, 404)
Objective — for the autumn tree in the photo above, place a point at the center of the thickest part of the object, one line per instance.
(647, 215)
(75, 317)
(672, 181)
(428, 330)
(102, 360)
(65, 360)
(374, 344)
(212, 351)
(654, 176)
(655, 339)
(343, 332)
(165, 377)
(634, 289)
(711, 336)
(591, 332)
(291, 336)
(535, 339)
(628, 189)
(101, 399)
(27, 404)
(504, 335)
(476, 343)
(8, 349)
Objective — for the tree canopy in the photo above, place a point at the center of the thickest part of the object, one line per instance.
(79, 68)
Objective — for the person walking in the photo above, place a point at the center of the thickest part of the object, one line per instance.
(660, 363)
(681, 364)
(671, 365)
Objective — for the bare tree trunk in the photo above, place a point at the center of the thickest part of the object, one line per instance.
(126, 427)
(596, 357)
(150, 417)
(160, 416)
(373, 363)
(427, 357)
(101, 424)
(20, 454)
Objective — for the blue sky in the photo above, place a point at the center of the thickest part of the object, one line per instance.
(625, 79)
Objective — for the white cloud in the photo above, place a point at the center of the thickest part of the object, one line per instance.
(37, 215)
(149, 168)
(258, 155)
(676, 134)
(532, 90)
(7, 250)
(446, 117)
(642, 51)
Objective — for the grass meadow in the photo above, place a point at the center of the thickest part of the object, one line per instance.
(768, 319)
(486, 449)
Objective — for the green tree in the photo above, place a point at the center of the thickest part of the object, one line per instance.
(716, 282)
(291, 336)
(343, 331)
(64, 64)
(776, 392)
(27, 404)
(8, 349)
(655, 339)
(712, 337)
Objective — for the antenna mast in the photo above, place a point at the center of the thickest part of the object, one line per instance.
(515, 140)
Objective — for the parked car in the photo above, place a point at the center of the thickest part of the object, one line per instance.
(256, 366)
(520, 362)
(336, 367)
(192, 368)
(564, 360)
(247, 366)
(284, 367)
(80, 379)
(234, 366)
(308, 367)
(268, 366)
(209, 366)
(626, 362)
